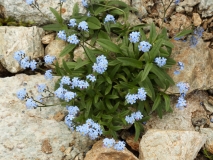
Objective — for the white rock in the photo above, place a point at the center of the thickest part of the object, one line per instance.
(206, 6)
(25, 129)
(190, 3)
(170, 145)
(48, 38)
(209, 142)
(14, 39)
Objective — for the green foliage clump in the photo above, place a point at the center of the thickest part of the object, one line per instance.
(128, 68)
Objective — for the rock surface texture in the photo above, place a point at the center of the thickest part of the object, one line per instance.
(24, 133)
(98, 152)
(170, 145)
(14, 39)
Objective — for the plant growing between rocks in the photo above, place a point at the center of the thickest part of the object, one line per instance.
(123, 79)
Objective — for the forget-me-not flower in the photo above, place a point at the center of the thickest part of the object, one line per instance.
(134, 37)
(72, 23)
(21, 94)
(160, 61)
(109, 18)
(62, 35)
(83, 26)
(144, 46)
(73, 39)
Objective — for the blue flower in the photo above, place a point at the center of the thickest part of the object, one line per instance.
(181, 102)
(41, 87)
(49, 59)
(83, 26)
(72, 23)
(109, 18)
(91, 78)
(119, 146)
(19, 55)
(130, 119)
(73, 39)
(181, 66)
(176, 72)
(199, 31)
(107, 142)
(183, 87)
(134, 37)
(177, 1)
(84, 3)
(68, 96)
(21, 94)
(63, 1)
(25, 63)
(48, 74)
(88, 14)
(144, 46)
(39, 98)
(141, 94)
(137, 115)
(29, 2)
(60, 92)
(131, 98)
(101, 64)
(73, 110)
(62, 35)
(83, 84)
(160, 61)
(33, 65)
(193, 41)
(65, 80)
(30, 103)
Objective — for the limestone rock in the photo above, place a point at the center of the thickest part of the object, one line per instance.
(206, 6)
(132, 143)
(54, 48)
(142, 7)
(198, 65)
(170, 144)
(180, 119)
(209, 142)
(196, 19)
(48, 38)
(22, 131)
(14, 39)
(132, 20)
(190, 3)
(99, 152)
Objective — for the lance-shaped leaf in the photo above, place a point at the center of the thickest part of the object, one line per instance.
(68, 48)
(130, 62)
(93, 23)
(57, 15)
(109, 45)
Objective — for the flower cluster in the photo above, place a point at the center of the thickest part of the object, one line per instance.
(83, 26)
(72, 23)
(109, 18)
(91, 77)
(84, 3)
(134, 116)
(183, 88)
(160, 61)
(101, 64)
(144, 46)
(198, 32)
(141, 95)
(25, 61)
(62, 35)
(90, 128)
(134, 37)
(73, 39)
(180, 67)
(72, 112)
(49, 59)
(177, 1)
(119, 146)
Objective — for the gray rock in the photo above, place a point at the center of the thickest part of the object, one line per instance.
(22, 131)
(206, 6)
(209, 142)
(14, 39)
(170, 144)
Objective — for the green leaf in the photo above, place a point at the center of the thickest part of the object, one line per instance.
(88, 107)
(137, 126)
(153, 34)
(149, 85)
(57, 15)
(109, 45)
(75, 10)
(114, 71)
(71, 64)
(168, 43)
(155, 49)
(184, 32)
(68, 48)
(106, 116)
(90, 54)
(143, 35)
(98, 10)
(53, 27)
(167, 102)
(108, 104)
(130, 62)
(66, 68)
(93, 23)
(111, 97)
(108, 89)
(147, 68)
(131, 51)
(81, 63)
(103, 35)
(117, 3)
(156, 102)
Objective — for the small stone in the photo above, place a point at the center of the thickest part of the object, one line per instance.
(7, 144)
(48, 38)
(62, 148)
(207, 36)
(196, 19)
(188, 9)
(179, 9)
(210, 100)
(67, 151)
(132, 143)
(59, 116)
(46, 147)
